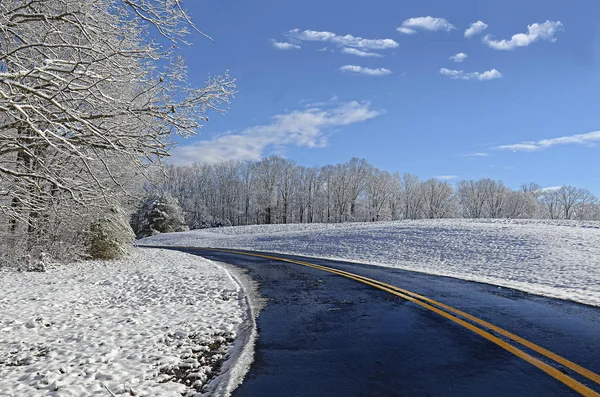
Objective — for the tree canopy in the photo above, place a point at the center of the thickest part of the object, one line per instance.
(88, 101)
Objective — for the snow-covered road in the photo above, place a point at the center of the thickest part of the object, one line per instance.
(133, 327)
(554, 258)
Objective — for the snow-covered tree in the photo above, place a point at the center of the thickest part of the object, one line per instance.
(159, 213)
(573, 201)
(285, 188)
(110, 236)
(358, 172)
(480, 198)
(395, 201)
(520, 204)
(379, 193)
(83, 89)
(495, 194)
(550, 204)
(438, 200)
(412, 199)
(268, 173)
(533, 189)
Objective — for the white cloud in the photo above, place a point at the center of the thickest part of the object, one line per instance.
(307, 127)
(535, 32)
(475, 29)
(404, 30)
(521, 147)
(412, 25)
(344, 41)
(479, 154)
(590, 139)
(551, 188)
(446, 177)
(487, 75)
(366, 71)
(330, 102)
(284, 46)
(462, 75)
(354, 51)
(460, 57)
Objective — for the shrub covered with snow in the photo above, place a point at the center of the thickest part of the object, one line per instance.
(110, 236)
(71, 236)
(158, 213)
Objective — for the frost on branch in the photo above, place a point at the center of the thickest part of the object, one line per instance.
(84, 91)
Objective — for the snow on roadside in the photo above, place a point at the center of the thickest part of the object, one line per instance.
(133, 327)
(560, 259)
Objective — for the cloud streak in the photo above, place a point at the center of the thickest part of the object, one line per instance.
(446, 177)
(343, 41)
(431, 24)
(284, 46)
(475, 29)
(478, 154)
(366, 71)
(462, 75)
(590, 139)
(307, 128)
(551, 188)
(535, 32)
(360, 53)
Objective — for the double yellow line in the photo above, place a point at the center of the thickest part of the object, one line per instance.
(445, 311)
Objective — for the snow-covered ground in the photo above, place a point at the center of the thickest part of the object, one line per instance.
(559, 259)
(160, 323)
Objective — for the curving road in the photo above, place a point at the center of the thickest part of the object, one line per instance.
(324, 334)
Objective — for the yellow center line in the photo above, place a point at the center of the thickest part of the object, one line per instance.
(421, 301)
(555, 357)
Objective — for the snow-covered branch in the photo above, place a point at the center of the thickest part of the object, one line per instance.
(84, 91)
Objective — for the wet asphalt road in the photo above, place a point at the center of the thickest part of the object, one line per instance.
(325, 335)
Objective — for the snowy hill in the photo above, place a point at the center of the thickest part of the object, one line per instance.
(559, 259)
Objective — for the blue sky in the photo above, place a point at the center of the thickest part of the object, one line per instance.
(320, 82)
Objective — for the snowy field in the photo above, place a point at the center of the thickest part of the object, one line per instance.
(161, 323)
(559, 259)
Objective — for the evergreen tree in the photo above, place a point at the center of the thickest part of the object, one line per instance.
(159, 213)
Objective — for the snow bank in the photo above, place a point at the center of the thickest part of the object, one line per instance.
(157, 324)
(559, 259)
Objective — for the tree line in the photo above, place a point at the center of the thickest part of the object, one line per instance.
(277, 190)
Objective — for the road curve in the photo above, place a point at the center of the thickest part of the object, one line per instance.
(335, 328)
